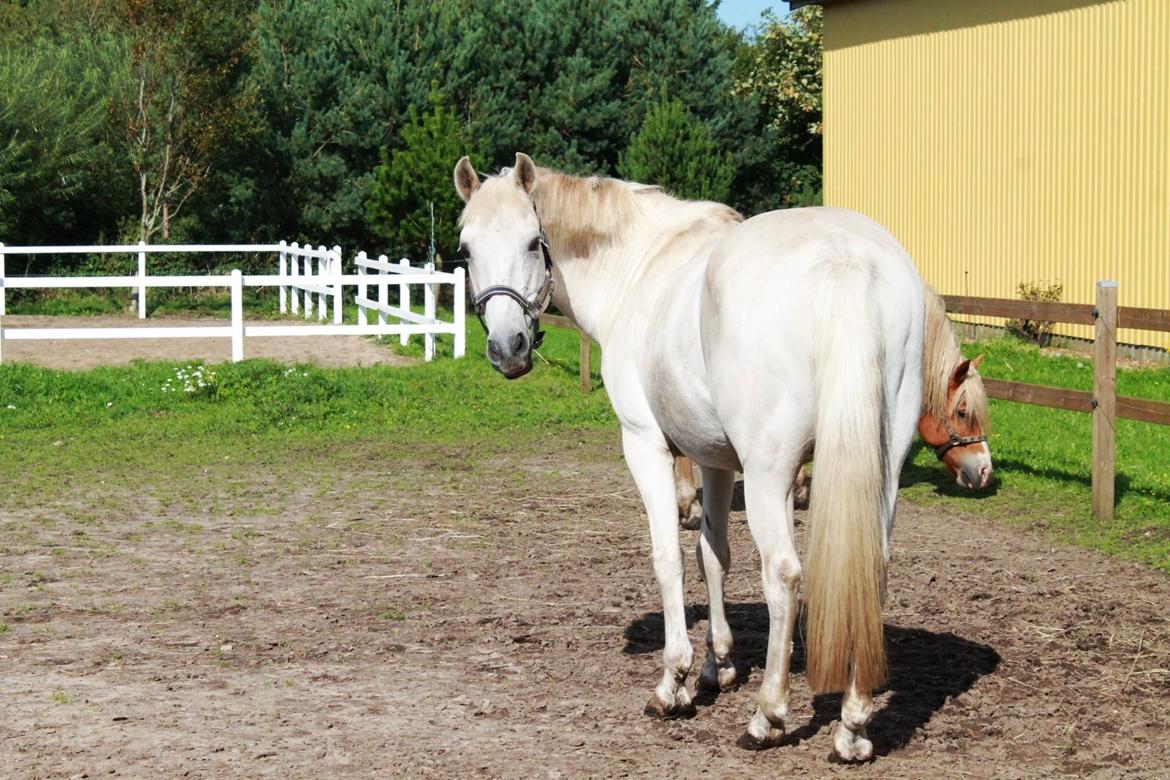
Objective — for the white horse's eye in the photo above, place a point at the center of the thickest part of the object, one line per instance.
(534, 244)
(463, 252)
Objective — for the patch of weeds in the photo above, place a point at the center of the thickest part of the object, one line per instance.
(393, 614)
(3, 628)
(61, 697)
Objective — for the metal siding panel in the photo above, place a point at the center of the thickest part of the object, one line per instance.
(1023, 149)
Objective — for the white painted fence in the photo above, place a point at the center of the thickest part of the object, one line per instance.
(322, 288)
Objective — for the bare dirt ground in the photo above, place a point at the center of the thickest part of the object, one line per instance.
(392, 615)
(440, 614)
(82, 355)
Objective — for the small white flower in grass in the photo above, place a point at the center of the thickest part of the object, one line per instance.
(10, 406)
(109, 404)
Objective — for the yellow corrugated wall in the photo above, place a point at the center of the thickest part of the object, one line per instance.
(1006, 142)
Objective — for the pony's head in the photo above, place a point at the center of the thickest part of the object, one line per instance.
(956, 426)
(507, 260)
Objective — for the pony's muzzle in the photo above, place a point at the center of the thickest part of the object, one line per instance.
(974, 473)
(511, 355)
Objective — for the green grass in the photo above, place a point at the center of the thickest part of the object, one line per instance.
(1043, 458)
(116, 426)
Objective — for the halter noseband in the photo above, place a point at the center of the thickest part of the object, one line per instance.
(955, 440)
(532, 307)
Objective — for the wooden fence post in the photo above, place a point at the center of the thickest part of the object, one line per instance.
(1104, 400)
(586, 367)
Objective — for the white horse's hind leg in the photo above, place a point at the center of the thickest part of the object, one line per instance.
(652, 467)
(768, 495)
(850, 741)
(714, 557)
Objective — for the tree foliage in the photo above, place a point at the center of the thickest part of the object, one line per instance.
(675, 150)
(56, 153)
(782, 72)
(412, 185)
(237, 120)
(185, 104)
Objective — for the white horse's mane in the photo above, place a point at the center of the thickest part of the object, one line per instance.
(584, 214)
(940, 356)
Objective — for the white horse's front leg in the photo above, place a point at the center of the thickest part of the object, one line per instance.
(714, 557)
(652, 467)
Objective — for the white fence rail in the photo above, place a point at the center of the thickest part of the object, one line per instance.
(294, 277)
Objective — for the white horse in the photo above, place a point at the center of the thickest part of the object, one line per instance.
(739, 344)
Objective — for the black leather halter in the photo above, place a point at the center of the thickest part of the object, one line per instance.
(533, 307)
(955, 440)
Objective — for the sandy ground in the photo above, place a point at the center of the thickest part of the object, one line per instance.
(80, 355)
(434, 615)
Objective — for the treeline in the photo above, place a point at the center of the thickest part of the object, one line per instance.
(340, 120)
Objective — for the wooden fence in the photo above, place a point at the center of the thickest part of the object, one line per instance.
(1102, 402)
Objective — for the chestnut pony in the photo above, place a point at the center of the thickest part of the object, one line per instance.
(739, 344)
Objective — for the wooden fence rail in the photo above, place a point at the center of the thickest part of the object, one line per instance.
(1103, 402)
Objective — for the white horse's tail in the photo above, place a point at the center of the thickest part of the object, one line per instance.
(845, 563)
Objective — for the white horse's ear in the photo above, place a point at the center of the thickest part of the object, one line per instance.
(976, 361)
(524, 174)
(466, 179)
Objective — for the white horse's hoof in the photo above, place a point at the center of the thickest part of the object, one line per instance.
(681, 706)
(851, 746)
(761, 733)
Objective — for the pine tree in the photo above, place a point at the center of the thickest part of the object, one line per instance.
(412, 179)
(675, 150)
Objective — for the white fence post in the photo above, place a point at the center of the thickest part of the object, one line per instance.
(294, 270)
(141, 287)
(403, 299)
(237, 316)
(283, 271)
(429, 313)
(337, 287)
(382, 290)
(322, 298)
(460, 311)
(361, 288)
(307, 270)
(3, 304)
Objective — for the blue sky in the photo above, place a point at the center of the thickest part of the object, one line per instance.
(740, 13)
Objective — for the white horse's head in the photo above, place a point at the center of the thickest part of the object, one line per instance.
(507, 260)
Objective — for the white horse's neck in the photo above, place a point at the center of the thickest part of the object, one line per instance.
(605, 234)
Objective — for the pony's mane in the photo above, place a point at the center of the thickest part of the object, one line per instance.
(940, 357)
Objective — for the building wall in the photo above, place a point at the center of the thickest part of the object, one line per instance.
(1006, 142)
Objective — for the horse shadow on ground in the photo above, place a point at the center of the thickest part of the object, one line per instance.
(926, 669)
